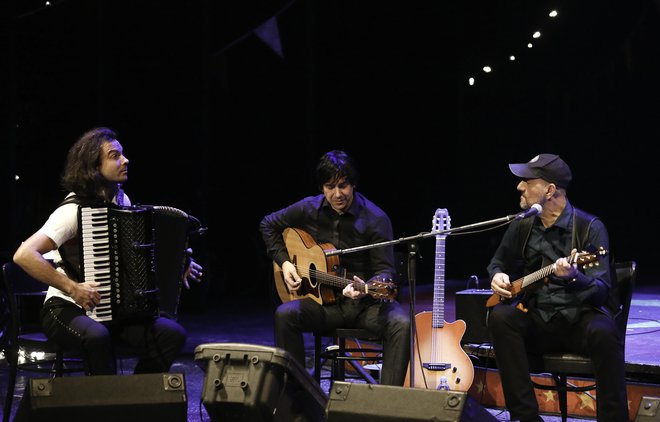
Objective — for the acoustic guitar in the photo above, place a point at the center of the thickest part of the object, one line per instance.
(320, 272)
(440, 361)
(529, 282)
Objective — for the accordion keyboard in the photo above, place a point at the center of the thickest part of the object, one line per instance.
(95, 259)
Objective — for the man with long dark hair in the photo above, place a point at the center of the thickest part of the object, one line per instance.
(95, 170)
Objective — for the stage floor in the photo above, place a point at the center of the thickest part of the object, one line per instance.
(250, 321)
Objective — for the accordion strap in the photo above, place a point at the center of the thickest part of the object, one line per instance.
(83, 201)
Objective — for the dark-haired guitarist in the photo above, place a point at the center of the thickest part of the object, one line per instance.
(344, 218)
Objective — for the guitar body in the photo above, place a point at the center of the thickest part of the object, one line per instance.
(440, 345)
(311, 261)
(516, 291)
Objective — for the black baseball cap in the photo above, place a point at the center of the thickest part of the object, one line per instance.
(549, 167)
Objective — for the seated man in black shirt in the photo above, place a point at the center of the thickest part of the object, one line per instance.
(570, 312)
(344, 218)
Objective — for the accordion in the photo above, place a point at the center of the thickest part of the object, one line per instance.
(138, 256)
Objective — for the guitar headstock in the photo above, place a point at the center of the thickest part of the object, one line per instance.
(441, 220)
(589, 259)
(383, 289)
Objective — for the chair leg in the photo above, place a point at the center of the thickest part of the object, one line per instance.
(339, 363)
(11, 384)
(317, 357)
(59, 363)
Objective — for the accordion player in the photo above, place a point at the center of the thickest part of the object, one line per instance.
(137, 254)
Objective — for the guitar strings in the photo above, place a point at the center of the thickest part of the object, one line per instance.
(323, 276)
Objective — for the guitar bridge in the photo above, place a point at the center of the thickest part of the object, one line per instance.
(436, 366)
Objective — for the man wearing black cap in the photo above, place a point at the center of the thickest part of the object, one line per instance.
(572, 312)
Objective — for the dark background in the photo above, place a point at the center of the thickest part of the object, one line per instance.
(218, 124)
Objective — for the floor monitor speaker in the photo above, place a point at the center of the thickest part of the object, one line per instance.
(350, 402)
(110, 398)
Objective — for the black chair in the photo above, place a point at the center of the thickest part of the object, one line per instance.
(561, 366)
(364, 346)
(23, 336)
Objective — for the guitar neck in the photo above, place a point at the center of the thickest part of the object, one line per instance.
(438, 318)
(535, 276)
(440, 223)
(550, 269)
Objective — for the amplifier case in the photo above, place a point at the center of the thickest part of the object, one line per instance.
(471, 308)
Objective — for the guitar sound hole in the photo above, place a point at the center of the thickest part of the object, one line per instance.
(312, 275)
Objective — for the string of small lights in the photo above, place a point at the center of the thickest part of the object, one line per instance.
(536, 35)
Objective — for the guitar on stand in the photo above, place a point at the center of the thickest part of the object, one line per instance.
(440, 361)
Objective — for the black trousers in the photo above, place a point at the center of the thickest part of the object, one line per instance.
(519, 335)
(158, 341)
(387, 319)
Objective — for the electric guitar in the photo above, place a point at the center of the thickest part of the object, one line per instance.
(529, 282)
(315, 268)
(438, 351)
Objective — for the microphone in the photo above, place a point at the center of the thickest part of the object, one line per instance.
(532, 211)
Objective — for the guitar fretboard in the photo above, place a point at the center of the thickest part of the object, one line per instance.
(440, 223)
(438, 319)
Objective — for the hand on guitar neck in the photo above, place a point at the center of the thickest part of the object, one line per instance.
(359, 288)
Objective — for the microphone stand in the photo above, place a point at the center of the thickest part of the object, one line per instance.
(412, 267)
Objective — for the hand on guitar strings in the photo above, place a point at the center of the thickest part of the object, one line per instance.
(291, 276)
(501, 285)
(193, 270)
(350, 292)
